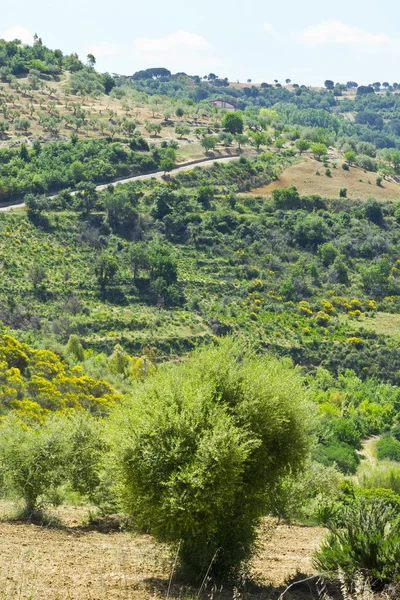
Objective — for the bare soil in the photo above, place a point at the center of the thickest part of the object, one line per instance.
(359, 183)
(73, 562)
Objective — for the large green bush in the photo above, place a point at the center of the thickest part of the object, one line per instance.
(202, 446)
(366, 538)
(388, 447)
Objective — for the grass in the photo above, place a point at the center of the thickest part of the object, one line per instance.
(382, 323)
(360, 184)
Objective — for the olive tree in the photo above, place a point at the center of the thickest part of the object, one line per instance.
(202, 447)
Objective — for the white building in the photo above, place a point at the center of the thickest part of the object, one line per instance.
(223, 104)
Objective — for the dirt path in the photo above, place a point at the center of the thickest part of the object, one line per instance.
(368, 450)
(204, 163)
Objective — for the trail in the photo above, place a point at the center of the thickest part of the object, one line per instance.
(204, 163)
(367, 451)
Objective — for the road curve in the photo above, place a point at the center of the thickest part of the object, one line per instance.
(181, 169)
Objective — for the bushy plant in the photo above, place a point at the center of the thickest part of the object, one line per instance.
(365, 538)
(388, 447)
(202, 446)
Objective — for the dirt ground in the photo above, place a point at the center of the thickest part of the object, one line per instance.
(359, 184)
(76, 563)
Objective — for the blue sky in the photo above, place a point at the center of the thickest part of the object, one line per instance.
(307, 41)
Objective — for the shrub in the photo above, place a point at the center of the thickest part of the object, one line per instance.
(35, 461)
(345, 167)
(368, 540)
(339, 453)
(389, 448)
(32, 461)
(202, 446)
(343, 193)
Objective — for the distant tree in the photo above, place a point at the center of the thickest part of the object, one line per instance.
(108, 82)
(376, 86)
(86, 196)
(365, 89)
(352, 84)
(329, 84)
(249, 81)
(350, 156)
(232, 122)
(181, 130)
(288, 81)
(302, 146)
(208, 143)
(241, 139)
(74, 348)
(179, 112)
(106, 269)
(91, 60)
(319, 149)
(385, 84)
(259, 138)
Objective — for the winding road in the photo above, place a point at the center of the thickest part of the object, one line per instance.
(180, 169)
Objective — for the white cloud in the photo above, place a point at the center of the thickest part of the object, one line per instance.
(178, 51)
(180, 40)
(17, 33)
(271, 31)
(338, 33)
(101, 50)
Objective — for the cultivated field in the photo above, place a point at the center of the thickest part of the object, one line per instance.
(75, 562)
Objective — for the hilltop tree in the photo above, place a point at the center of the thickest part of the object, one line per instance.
(329, 84)
(91, 60)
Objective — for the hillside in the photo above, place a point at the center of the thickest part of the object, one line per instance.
(187, 351)
(309, 177)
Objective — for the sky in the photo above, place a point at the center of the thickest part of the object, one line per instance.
(308, 41)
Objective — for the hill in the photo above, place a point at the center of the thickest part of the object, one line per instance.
(310, 177)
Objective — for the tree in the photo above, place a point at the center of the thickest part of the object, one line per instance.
(329, 84)
(259, 139)
(181, 130)
(208, 143)
(106, 270)
(179, 112)
(87, 196)
(202, 448)
(232, 122)
(350, 156)
(319, 150)
(168, 160)
(91, 60)
(288, 81)
(241, 139)
(302, 146)
(74, 348)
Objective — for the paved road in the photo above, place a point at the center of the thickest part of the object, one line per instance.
(158, 174)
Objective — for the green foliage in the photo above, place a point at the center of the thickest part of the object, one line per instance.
(340, 454)
(226, 427)
(35, 461)
(367, 540)
(232, 122)
(388, 448)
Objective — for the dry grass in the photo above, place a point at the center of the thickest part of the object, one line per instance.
(359, 184)
(382, 323)
(76, 563)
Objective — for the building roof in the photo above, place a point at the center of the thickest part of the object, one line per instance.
(221, 100)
